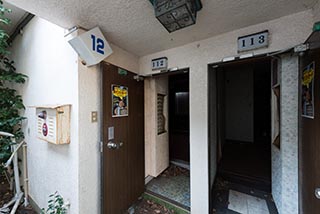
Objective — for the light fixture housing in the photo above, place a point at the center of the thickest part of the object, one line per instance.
(176, 14)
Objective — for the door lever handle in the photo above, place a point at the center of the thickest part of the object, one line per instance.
(112, 145)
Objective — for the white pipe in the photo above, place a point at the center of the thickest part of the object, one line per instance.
(25, 176)
(16, 148)
(6, 134)
(16, 169)
(18, 199)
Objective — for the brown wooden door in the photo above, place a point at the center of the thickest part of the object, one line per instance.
(123, 167)
(309, 142)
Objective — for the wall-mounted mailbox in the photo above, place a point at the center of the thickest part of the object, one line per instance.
(53, 123)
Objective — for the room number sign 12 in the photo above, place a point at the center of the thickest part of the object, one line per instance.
(97, 44)
(253, 41)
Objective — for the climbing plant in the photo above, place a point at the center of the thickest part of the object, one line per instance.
(55, 205)
(11, 103)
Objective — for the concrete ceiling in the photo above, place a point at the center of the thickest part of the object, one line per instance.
(131, 24)
(16, 16)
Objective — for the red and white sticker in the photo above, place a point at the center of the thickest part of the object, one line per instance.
(45, 129)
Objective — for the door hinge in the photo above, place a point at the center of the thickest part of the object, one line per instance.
(101, 146)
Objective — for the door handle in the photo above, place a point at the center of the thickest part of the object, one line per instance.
(317, 193)
(112, 145)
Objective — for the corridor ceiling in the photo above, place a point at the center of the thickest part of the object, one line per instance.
(131, 24)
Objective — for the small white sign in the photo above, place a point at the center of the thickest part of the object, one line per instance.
(253, 41)
(159, 63)
(91, 46)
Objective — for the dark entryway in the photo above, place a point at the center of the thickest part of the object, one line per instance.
(240, 135)
(179, 148)
(243, 121)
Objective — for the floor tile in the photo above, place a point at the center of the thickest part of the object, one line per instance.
(256, 203)
(246, 204)
(238, 202)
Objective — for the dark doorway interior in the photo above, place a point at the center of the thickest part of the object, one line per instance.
(244, 123)
(179, 148)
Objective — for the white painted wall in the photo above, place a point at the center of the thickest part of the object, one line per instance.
(43, 54)
(239, 104)
(285, 32)
(57, 76)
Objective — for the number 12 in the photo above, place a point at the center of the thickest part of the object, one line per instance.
(97, 44)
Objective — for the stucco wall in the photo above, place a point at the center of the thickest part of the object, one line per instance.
(43, 54)
(289, 134)
(285, 32)
(316, 12)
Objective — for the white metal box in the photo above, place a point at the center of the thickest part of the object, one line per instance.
(53, 123)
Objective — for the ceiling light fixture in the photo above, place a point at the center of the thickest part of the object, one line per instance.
(176, 14)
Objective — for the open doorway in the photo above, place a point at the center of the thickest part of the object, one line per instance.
(167, 149)
(245, 123)
(240, 135)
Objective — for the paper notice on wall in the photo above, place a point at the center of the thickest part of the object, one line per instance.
(307, 91)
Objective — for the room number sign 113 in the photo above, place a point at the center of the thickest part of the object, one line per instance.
(253, 41)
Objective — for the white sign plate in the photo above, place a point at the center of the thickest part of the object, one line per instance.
(91, 46)
(159, 63)
(253, 41)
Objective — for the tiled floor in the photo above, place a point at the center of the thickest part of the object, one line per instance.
(246, 204)
(233, 198)
(172, 186)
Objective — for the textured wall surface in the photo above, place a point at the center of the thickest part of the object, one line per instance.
(43, 54)
(285, 32)
(285, 161)
(132, 24)
(316, 12)
(289, 134)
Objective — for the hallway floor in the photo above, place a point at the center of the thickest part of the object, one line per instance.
(248, 162)
(232, 198)
(172, 185)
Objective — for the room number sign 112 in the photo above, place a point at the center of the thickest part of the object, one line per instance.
(253, 41)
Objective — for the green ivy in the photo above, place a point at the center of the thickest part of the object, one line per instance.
(11, 103)
(55, 205)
